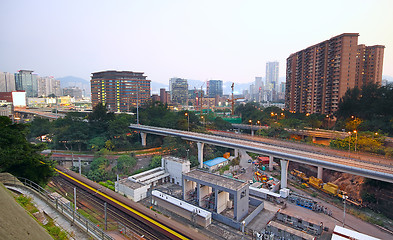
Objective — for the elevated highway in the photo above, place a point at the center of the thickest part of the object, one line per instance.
(372, 170)
(328, 134)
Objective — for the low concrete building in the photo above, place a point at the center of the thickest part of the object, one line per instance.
(182, 208)
(175, 167)
(132, 190)
(215, 163)
(212, 191)
(151, 177)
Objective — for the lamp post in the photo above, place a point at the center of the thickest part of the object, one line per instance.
(188, 120)
(344, 200)
(252, 132)
(187, 150)
(203, 120)
(356, 138)
(349, 149)
(137, 105)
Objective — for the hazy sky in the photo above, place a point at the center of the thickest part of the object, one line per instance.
(228, 40)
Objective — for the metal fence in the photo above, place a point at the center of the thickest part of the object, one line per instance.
(66, 210)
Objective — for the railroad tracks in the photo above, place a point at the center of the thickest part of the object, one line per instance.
(116, 219)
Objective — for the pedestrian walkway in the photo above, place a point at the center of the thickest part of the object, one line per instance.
(59, 219)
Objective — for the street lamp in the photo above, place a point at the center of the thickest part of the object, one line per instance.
(252, 132)
(259, 122)
(344, 200)
(188, 121)
(356, 139)
(203, 120)
(349, 149)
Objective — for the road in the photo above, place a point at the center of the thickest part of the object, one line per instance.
(368, 169)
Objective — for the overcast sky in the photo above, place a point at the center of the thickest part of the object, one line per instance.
(228, 40)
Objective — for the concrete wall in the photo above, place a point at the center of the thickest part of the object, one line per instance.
(241, 203)
(228, 221)
(181, 212)
(175, 169)
(254, 213)
(222, 201)
(133, 194)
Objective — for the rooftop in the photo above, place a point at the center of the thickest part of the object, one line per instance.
(130, 184)
(214, 179)
(215, 161)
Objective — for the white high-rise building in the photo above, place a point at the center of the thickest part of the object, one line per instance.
(272, 79)
(7, 82)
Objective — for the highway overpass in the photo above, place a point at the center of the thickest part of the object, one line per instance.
(342, 164)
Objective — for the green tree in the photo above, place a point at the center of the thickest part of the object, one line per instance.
(125, 163)
(39, 127)
(97, 143)
(155, 161)
(99, 120)
(21, 158)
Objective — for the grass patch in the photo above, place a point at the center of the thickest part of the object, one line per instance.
(56, 232)
(88, 216)
(108, 184)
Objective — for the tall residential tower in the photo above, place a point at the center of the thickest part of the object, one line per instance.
(318, 76)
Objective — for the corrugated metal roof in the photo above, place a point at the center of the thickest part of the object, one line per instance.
(215, 161)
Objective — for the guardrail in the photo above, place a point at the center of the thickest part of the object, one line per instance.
(62, 208)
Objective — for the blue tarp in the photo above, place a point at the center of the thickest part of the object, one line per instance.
(215, 161)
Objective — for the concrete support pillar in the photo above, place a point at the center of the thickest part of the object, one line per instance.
(284, 173)
(236, 152)
(320, 172)
(199, 198)
(143, 136)
(271, 163)
(200, 153)
(215, 199)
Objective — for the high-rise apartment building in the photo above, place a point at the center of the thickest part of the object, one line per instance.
(73, 92)
(164, 96)
(7, 82)
(119, 90)
(47, 86)
(179, 90)
(318, 76)
(272, 71)
(26, 80)
(214, 88)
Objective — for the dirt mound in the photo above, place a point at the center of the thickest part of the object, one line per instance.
(352, 184)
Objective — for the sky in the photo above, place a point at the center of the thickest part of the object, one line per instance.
(200, 40)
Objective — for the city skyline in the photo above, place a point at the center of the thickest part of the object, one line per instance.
(214, 40)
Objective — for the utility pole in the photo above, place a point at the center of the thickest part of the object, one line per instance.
(106, 223)
(137, 105)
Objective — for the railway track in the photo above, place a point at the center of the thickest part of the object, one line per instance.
(169, 229)
(116, 219)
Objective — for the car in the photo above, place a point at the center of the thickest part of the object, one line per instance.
(249, 161)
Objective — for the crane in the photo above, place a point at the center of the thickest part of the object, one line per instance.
(233, 100)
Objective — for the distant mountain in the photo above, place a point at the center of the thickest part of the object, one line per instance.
(71, 81)
(155, 87)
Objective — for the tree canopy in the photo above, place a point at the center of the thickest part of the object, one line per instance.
(19, 157)
(371, 108)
